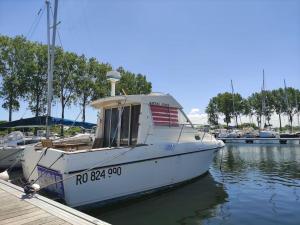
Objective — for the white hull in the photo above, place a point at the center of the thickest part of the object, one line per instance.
(10, 156)
(134, 171)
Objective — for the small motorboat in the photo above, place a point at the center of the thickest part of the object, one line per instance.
(143, 143)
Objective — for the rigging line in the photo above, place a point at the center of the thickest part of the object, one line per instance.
(18, 159)
(89, 169)
(48, 168)
(36, 22)
(42, 155)
(61, 45)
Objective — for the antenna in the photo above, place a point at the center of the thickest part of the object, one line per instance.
(113, 77)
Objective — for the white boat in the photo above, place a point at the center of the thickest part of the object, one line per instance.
(143, 143)
(11, 147)
(268, 134)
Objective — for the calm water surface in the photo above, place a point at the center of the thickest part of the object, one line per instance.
(257, 185)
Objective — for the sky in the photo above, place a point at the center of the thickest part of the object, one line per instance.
(190, 49)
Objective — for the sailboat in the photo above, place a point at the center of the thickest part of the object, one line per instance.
(265, 132)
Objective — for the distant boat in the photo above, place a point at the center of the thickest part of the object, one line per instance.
(12, 146)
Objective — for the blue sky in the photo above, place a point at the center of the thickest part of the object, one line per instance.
(188, 48)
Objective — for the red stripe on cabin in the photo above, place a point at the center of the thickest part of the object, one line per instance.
(164, 115)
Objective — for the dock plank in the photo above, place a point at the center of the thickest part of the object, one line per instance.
(17, 208)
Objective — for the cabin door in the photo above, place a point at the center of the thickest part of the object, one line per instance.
(125, 133)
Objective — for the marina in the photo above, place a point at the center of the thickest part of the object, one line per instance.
(293, 141)
(149, 113)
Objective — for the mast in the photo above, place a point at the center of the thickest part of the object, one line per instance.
(263, 107)
(297, 107)
(288, 105)
(233, 106)
(51, 50)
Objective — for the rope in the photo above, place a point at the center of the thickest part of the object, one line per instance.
(18, 159)
(48, 168)
(35, 22)
(42, 155)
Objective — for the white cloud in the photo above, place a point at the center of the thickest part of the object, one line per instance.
(195, 111)
(197, 117)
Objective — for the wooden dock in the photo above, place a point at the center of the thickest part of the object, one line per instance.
(16, 208)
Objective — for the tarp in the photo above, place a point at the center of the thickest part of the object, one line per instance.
(40, 121)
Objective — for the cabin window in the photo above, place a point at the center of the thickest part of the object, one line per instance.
(128, 127)
(114, 126)
(107, 119)
(134, 123)
(125, 126)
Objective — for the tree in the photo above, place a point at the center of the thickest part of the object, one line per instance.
(291, 106)
(224, 103)
(65, 73)
(278, 103)
(13, 69)
(212, 111)
(255, 102)
(133, 84)
(37, 81)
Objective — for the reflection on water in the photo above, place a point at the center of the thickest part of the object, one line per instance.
(185, 204)
(256, 185)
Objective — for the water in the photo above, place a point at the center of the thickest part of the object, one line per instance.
(257, 185)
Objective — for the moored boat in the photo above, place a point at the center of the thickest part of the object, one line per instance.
(143, 143)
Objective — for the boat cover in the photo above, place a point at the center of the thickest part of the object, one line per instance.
(40, 121)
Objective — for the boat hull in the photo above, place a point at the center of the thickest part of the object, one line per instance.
(136, 177)
(135, 173)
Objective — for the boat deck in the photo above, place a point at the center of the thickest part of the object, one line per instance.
(16, 208)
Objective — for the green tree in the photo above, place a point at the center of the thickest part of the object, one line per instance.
(13, 69)
(278, 104)
(212, 111)
(255, 102)
(133, 84)
(37, 81)
(224, 103)
(65, 75)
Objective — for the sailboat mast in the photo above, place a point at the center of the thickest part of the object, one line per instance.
(233, 106)
(287, 104)
(51, 50)
(263, 107)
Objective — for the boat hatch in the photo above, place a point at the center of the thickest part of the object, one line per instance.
(124, 133)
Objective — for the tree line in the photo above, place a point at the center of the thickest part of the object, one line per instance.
(76, 78)
(261, 105)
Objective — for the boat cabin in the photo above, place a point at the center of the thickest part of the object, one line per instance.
(135, 120)
(132, 120)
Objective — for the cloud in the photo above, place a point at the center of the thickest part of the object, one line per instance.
(197, 117)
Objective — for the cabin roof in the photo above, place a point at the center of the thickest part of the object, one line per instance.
(152, 98)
